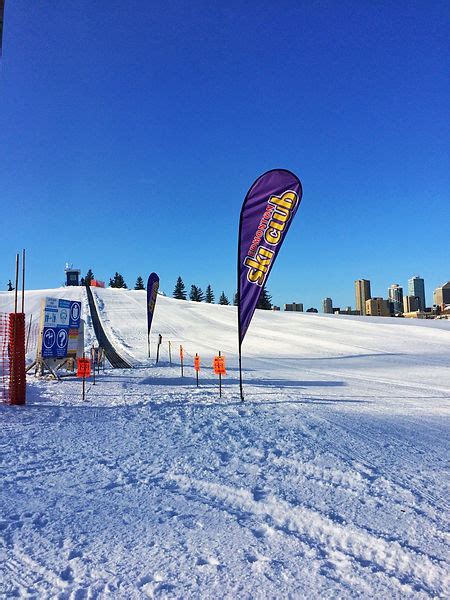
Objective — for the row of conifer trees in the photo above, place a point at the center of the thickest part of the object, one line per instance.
(196, 293)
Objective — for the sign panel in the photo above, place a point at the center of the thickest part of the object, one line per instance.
(83, 367)
(60, 323)
(219, 365)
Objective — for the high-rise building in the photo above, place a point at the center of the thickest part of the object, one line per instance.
(441, 294)
(327, 306)
(378, 307)
(362, 293)
(411, 304)
(416, 287)
(395, 295)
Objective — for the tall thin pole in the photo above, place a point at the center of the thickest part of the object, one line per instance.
(17, 283)
(148, 343)
(220, 380)
(23, 281)
(28, 335)
(240, 374)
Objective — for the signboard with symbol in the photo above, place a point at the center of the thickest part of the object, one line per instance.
(60, 323)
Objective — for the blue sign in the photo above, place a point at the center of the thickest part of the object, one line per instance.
(75, 315)
(62, 339)
(59, 316)
(49, 342)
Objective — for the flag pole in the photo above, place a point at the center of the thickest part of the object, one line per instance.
(240, 374)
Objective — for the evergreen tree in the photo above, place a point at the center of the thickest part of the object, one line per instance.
(236, 300)
(139, 284)
(196, 294)
(82, 282)
(117, 281)
(265, 300)
(10, 286)
(223, 299)
(88, 277)
(180, 291)
(209, 298)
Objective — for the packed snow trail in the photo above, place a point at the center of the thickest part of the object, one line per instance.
(330, 480)
(116, 361)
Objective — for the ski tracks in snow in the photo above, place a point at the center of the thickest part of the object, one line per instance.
(332, 541)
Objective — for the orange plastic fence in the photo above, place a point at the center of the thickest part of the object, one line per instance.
(4, 358)
(17, 374)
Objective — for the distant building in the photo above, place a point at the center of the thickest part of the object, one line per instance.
(295, 307)
(419, 314)
(362, 294)
(275, 307)
(411, 304)
(72, 275)
(441, 294)
(377, 307)
(312, 310)
(416, 287)
(345, 311)
(395, 295)
(327, 306)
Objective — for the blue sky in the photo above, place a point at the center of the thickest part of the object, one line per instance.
(131, 131)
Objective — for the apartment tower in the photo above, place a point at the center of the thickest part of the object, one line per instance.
(362, 293)
(416, 287)
(395, 295)
(327, 306)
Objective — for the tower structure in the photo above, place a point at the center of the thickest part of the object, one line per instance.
(362, 294)
(395, 295)
(416, 287)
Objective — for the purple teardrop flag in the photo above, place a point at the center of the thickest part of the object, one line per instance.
(266, 216)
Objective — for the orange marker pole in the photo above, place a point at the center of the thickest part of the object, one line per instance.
(84, 382)
(220, 380)
(181, 360)
(197, 365)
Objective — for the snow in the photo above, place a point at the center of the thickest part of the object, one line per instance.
(328, 481)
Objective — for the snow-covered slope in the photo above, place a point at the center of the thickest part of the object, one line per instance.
(328, 481)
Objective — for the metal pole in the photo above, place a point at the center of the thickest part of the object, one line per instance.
(148, 343)
(196, 371)
(170, 354)
(23, 280)
(28, 334)
(240, 374)
(157, 349)
(181, 360)
(84, 355)
(220, 380)
(17, 283)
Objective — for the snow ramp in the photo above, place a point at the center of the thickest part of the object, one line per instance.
(117, 361)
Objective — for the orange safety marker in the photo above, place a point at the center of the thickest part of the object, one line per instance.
(83, 367)
(219, 365)
(181, 359)
(219, 369)
(197, 365)
(83, 370)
